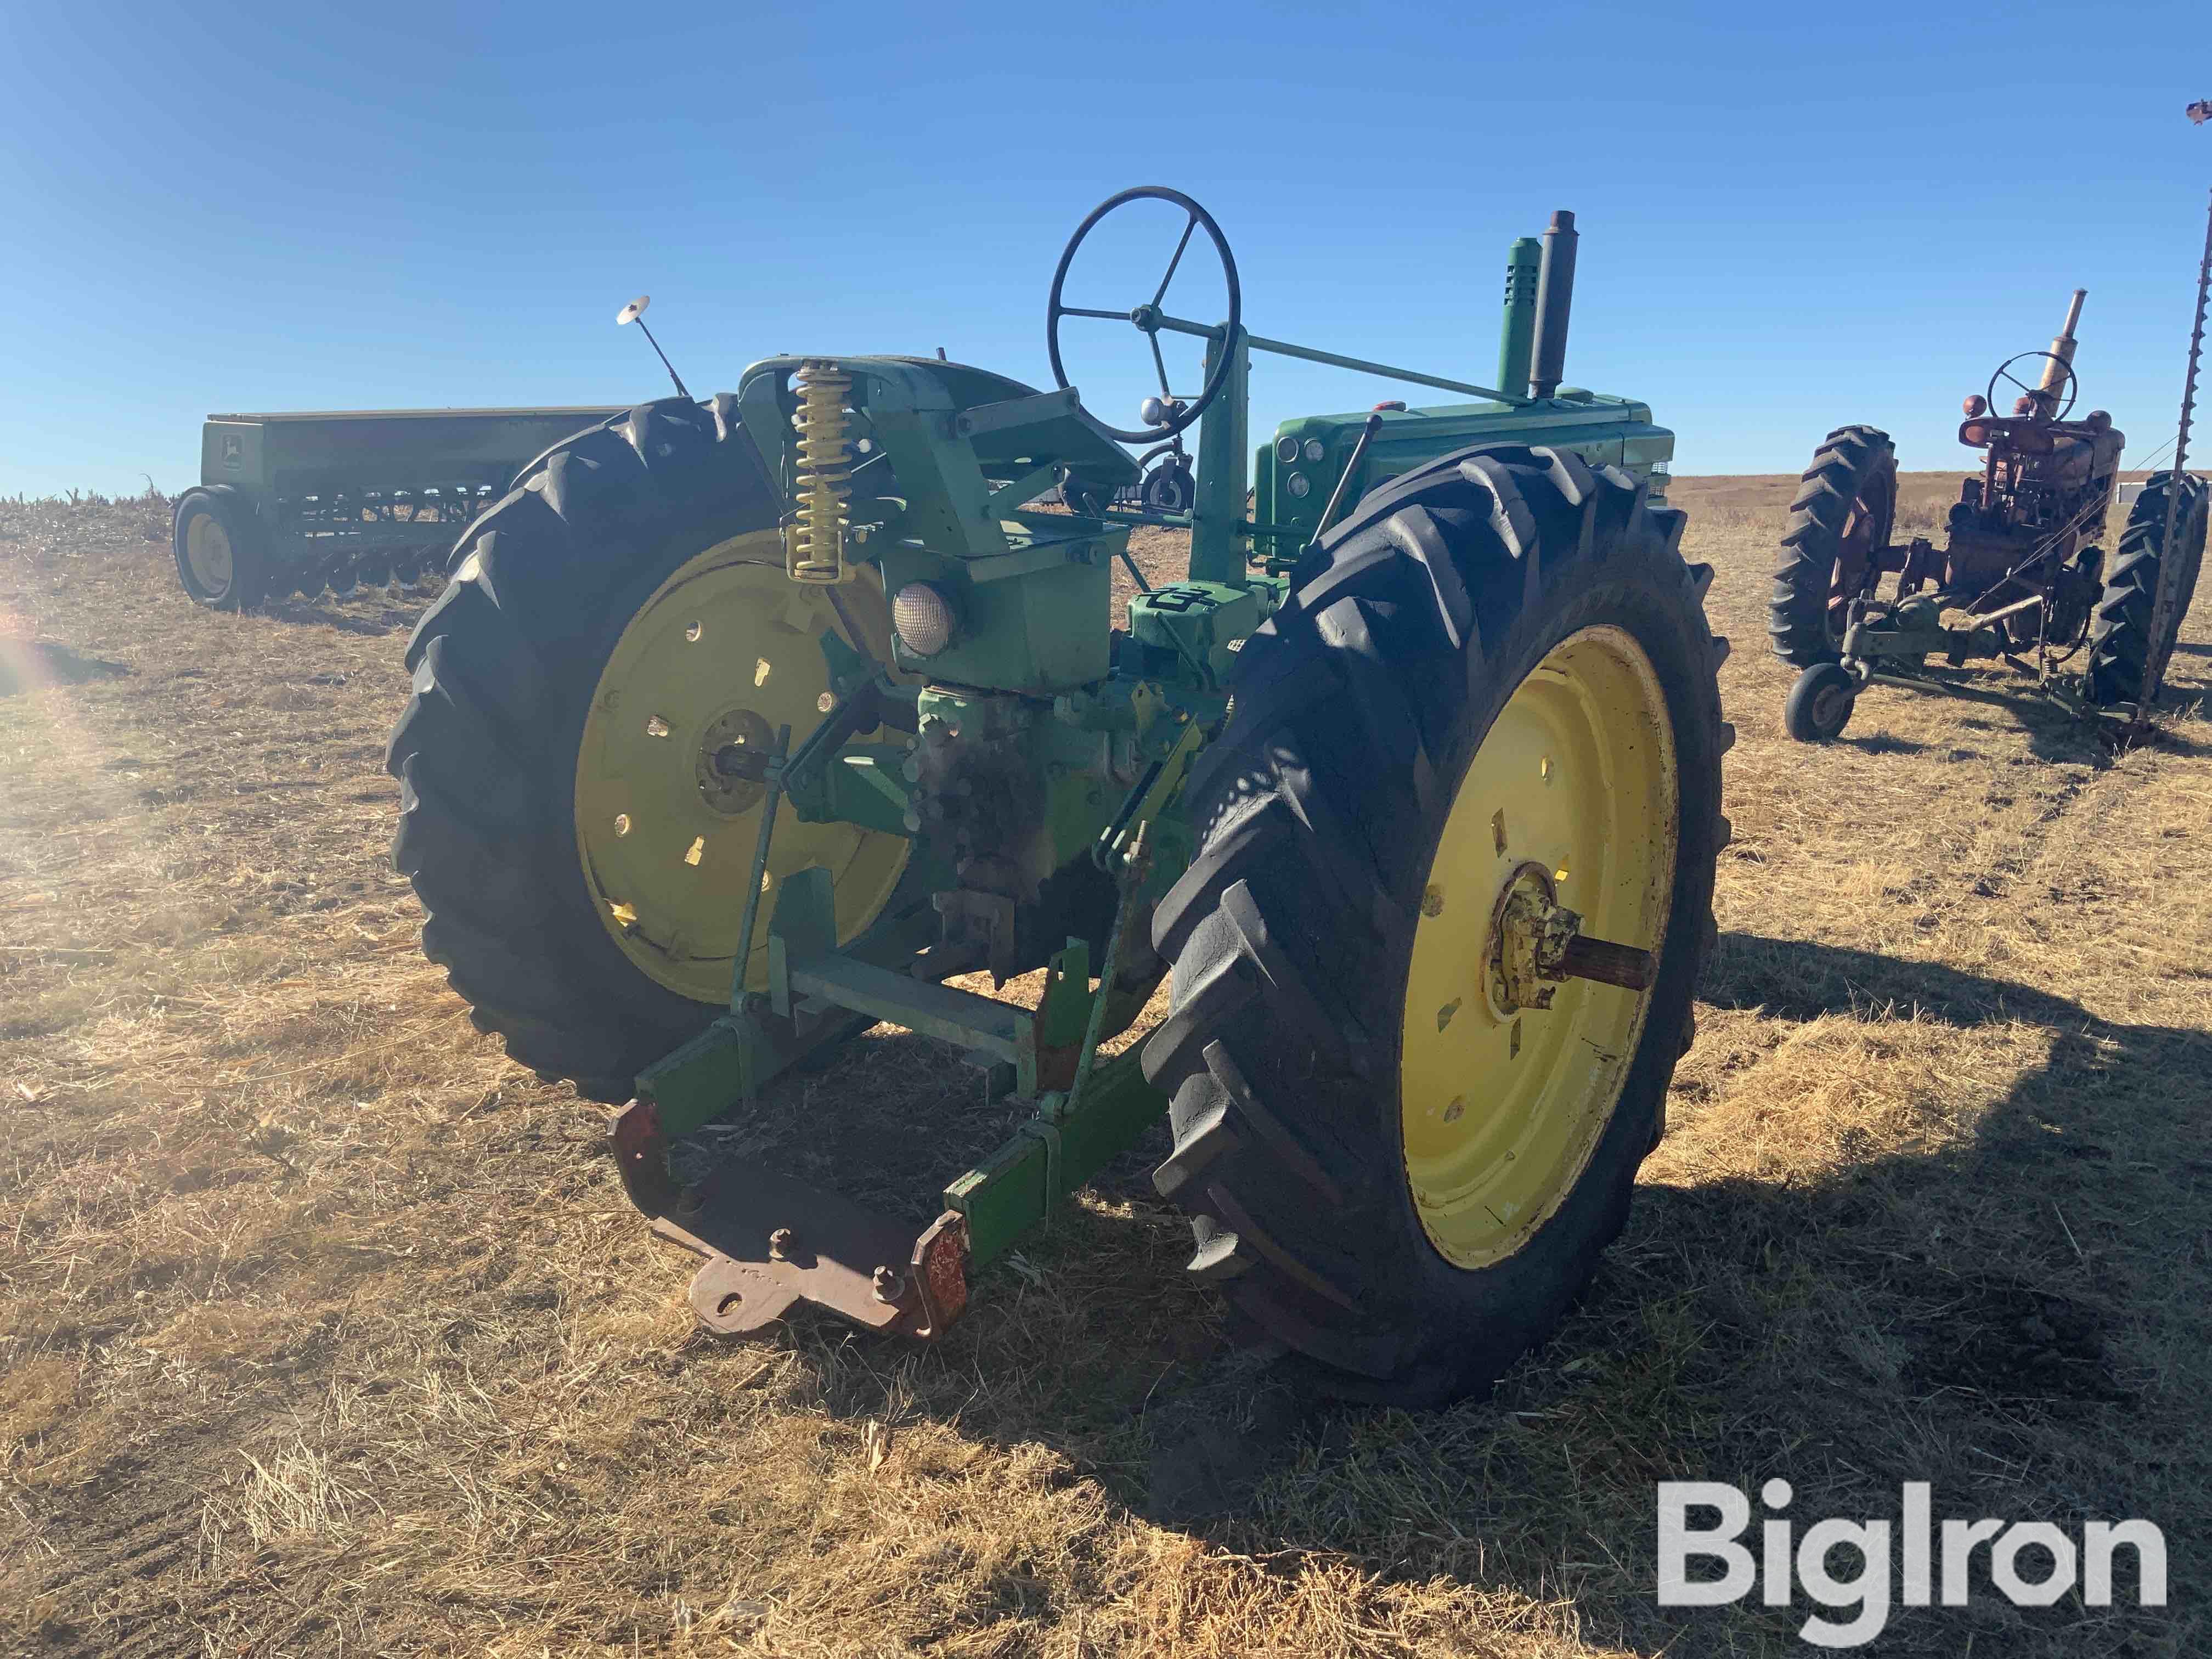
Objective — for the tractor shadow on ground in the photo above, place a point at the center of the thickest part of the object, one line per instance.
(2108, 1127)
(2101, 1085)
(1955, 1268)
(1884, 742)
(2053, 734)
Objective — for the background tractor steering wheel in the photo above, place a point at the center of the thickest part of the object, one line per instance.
(2067, 388)
(1147, 316)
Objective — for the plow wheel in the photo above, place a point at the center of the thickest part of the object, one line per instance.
(2120, 630)
(579, 763)
(1841, 523)
(1489, 712)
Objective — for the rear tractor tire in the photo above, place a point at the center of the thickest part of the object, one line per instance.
(1843, 515)
(2120, 631)
(576, 812)
(1496, 676)
(222, 556)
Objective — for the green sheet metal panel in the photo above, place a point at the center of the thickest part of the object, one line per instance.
(1597, 428)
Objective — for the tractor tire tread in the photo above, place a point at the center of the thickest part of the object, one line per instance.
(1797, 608)
(503, 663)
(1302, 897)
(2120, 643)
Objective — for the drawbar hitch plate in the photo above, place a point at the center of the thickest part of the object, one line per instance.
(767, 1241)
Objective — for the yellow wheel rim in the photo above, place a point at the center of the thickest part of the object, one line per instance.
(724, 652)
(207, 550)
(1500, 1111)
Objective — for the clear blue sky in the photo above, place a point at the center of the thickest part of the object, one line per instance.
(1793, 216)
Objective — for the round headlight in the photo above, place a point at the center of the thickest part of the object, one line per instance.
(1299, 485)
(922, 617)
(1313, 450)
(1286, 450)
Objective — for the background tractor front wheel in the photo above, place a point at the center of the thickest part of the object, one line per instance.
(1496, 676)
(1819, 704)
(576, 812)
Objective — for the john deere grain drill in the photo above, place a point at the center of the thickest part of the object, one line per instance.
(744, 725)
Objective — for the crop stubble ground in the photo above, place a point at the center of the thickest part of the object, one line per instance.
(325, 1330)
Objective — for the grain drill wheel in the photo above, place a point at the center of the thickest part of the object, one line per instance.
(2119, 632)
(1841, 519)
(575, 811)
(1495, 676)
(220, 559)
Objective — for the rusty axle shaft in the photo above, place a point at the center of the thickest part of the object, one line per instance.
(1606, 962)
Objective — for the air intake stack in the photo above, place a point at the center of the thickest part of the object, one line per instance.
(1516, 335)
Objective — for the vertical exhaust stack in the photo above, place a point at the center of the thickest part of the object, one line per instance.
(1555, 296)
(2050, 387)
(1517, 333)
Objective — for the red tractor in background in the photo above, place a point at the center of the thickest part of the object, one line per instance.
(2023, 575)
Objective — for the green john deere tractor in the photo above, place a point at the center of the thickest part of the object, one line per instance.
(744, 724)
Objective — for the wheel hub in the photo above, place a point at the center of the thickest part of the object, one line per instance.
(732, 761)
(207, 550)
(1831, 706)
(1529, 932)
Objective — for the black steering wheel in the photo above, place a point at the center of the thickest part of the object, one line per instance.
(1178, 415)
(2004, 373)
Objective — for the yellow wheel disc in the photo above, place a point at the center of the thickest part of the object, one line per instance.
(207, 550)
(1501, 1111)
(667, 822)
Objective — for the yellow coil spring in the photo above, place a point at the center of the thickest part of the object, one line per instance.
(815, 551)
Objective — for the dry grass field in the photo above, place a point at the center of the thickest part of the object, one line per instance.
(325, 1330)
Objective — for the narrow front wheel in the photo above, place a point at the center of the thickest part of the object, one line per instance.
(1821, 703)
